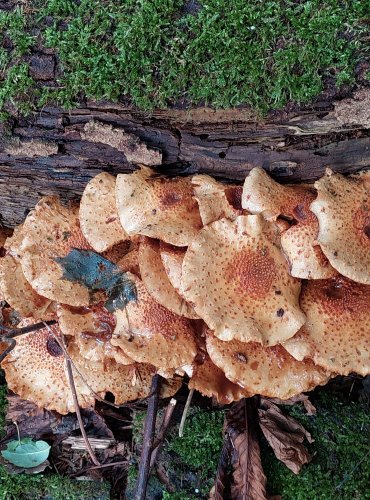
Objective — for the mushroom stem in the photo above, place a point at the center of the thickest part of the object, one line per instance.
(148, 440)
(185, 412)
(78, 413)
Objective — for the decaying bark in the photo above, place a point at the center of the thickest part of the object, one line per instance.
(226, 144)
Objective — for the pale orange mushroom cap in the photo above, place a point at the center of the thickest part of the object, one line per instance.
(215, 200)
(261, 194)
(19, 294)
(126, 383)
(210, 380)
(336, 334)
(238, 280)
(343, 210)
(173, 258)
(150, 333)
(98, 213)
(51, 230)
(156, 280)
(92, 329)
(35, 370)
(268, 371)
(157, 207)
(130, 262)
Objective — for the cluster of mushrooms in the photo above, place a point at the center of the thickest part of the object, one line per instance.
(255, 289)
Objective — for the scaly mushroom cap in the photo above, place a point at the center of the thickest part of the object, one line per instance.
(35, 370)
(261, 194)
(150, 333)
(157, 207)
(156, 280)
(172, 259)
(92, 329)
(336, 334)
(213, 199)
(210, 381)
(13, 242)
(52, 230)
(19, 294)
(343, 210)
(269, 371)
(126, 383)
(130, 262)
(239, 282)
(99, 218)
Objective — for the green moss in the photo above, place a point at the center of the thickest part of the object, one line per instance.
(340, 468)
(155, 52)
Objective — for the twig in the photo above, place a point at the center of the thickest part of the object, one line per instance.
(162, 431)
(149, 431)
(185, 412)
(78, 413)
(101, 466)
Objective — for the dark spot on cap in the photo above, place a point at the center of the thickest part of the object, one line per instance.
(335, 253)
(241, 357)
(53, 347)
(280, 312)
(2, 252)
(367, 231)
(277, 292)
(154, 211)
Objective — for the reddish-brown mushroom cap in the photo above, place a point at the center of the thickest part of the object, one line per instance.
(261, 194)
(343, 210)
(157, 207)
(35, 370)
(98, 213)
(130, 262)
(214, 199)
(49, 231)
(92, 329)
(210, 380)
(149, 333)
(156, 280)
(19, 294)
(239, 282)
(269, 371)
(336, 334)
(126, 383)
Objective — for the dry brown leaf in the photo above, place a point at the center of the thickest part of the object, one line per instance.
(300, 398)
(249, 478)
(285, 435)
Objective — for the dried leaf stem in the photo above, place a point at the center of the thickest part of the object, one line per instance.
(149, 430)
(78, 413)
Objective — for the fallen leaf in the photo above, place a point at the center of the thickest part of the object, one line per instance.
(300, 398)
(26, 453)
(97, 273)
(249, 480)
(285, 435)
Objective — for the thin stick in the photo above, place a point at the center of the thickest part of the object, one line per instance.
(162, 431)
(78, 413)
(185, 412)
(101, 466)
(149, 431)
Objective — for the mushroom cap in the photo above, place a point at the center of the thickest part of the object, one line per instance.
(150, 333)
(343, 210)
(239, 281)
(172, 259)
(269, 371)
(213, 199)
(126, 383)
(157, 207)
(35, 370)
(336, 334)
(210, 380)
(92, 329)
(19, 294)
(261, 194)
(156, 280)
(130, 262)
(99, 218)
(13, 243)
(52, 230)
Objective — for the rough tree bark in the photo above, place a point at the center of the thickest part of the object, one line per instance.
(226, 144)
